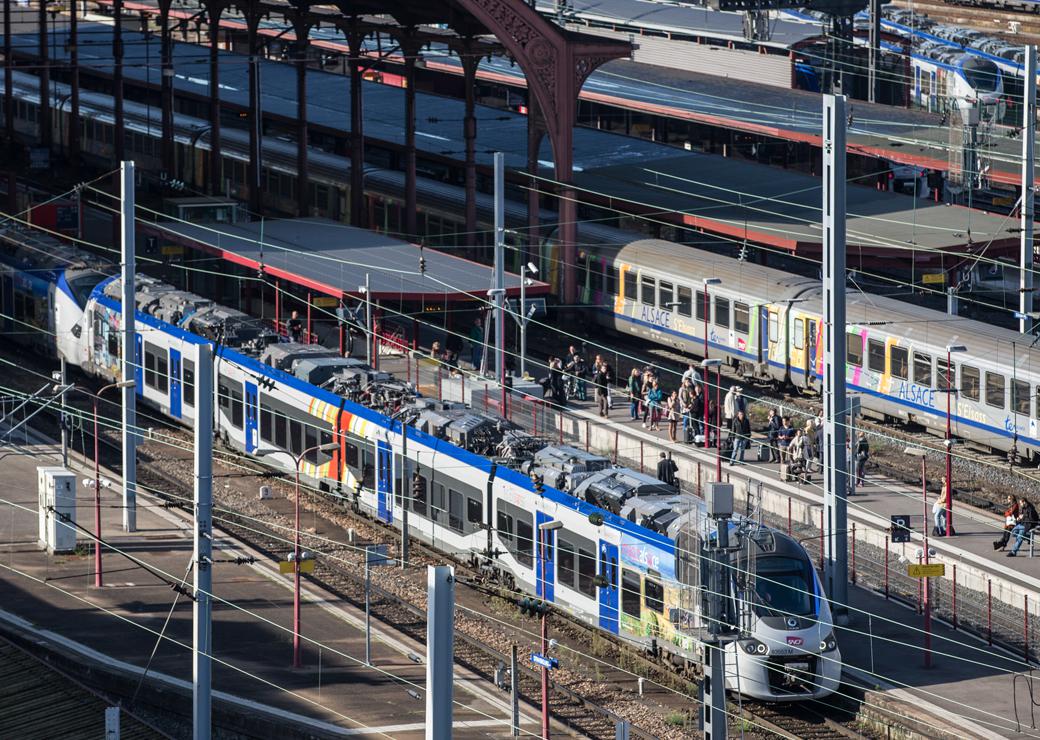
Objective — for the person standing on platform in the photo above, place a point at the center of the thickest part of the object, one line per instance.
(295, 326)
(773, 425)
(602, 384)
(666, 470)
(862, 455)
(741, 436)
(476, 343)
(635, 392)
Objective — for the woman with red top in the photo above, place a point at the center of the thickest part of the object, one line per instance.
(1010, 518)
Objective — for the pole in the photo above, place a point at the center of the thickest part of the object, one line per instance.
(368, 322)
(297, 661)
(718, 419)
(98, 580)
(713, 686)
(835, 399)
(545, 640)
(405, 491)
(949, 447)
(130, 360)
(1025, 295)
(64, 418)
(523, 320)
(853, 414)
(951, 301)
(499, 290)
(202, 631)
(514, 692)
(440, 600)
(926, 587)
(874, 34)
(707, 436)
(368, 610)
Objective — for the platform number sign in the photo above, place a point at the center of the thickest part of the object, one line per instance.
(901, 528)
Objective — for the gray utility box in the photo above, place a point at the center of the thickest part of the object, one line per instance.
(718, 499)
(56, 489)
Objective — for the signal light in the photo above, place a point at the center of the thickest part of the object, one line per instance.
(596, 519)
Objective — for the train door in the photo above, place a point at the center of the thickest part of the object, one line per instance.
(252, 412)
(810, 349)
(763, 333)
(175, 383)
(917, 85)
(138, 365)
(384, 482)
(545, 586)
(608, 593)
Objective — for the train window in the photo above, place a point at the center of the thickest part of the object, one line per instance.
(970, 382)
(224, 394)
(899, 362)
(741, 318)
(524, 540)
(310, 442)
(854, 349)
(774, 327)
(155, 367)
(419, 493)
(113, 343)
(700, 305)
(295, 437)
(455, 510)
(188, 381)
(566, 567)
(474, 511)
(266, 423)
(504, 525)
(517, 532)
(612, 280)
(995, 384)
(654, 595)
(923, 369)
(437, 503)
(685, 300)
(946, 377)
(325, 438)
(281, 426)
(722, 312)
(631, 598)
(236, 407)
(648, 285)
(799, 334)
(876, 355)
(351, 455)
(665, 295)
(630, 285)
(1020, 397)
(587, 571)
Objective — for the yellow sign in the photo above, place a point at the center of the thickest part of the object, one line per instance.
(325, 301)
(286, 566)
(932, 570)
(933, 277)
(172, 250)
(1009, 200)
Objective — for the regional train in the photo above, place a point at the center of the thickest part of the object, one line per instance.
(394, 450)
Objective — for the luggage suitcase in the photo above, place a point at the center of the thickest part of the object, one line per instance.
(763, 452)
(688, 434)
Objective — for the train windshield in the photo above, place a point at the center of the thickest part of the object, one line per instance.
(783, 586)
(981, 74)
(82, 284)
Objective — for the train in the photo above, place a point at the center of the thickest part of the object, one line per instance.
(371, 443)
(768, 324)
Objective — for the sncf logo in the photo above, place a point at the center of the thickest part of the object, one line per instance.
(794, 641)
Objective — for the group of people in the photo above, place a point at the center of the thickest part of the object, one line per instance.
(1020, 518)
(568, 377)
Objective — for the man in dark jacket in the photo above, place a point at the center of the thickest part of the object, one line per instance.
(601, 380)
(1027, 519)
(741, 436)
(666, 469)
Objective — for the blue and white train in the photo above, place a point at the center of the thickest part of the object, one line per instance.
(605, 568)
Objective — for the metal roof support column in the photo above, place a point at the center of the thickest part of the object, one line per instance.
(45, 78)
(1027, 251)
(469, 133)
(213, 13)
(303, 189)
(117, 80)
(357, 132)
(166, 89)
(8, 78)
(256, 125)
(74, 132)
(411, 52)
(535, 132)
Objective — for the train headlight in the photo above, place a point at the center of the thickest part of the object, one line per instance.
(754, 647)
(828, 644)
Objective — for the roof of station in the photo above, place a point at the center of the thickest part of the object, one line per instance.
(332, 258)
(712, 192)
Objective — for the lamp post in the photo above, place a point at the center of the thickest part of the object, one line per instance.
(297, 459)
(925, 587)
(96, 398)
(707, 365)
(524, 269)
(707, 282)
(948, 441)
(544, 529)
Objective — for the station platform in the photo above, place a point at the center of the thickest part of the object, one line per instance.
(984, 608)
(51, 601)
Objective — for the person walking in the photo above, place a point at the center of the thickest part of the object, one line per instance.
(741, 436)
(635, 392)
(666, 470)
(608, 371)
(862, 455)
(1027, 520)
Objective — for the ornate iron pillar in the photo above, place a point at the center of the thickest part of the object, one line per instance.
(215, 174)
(256, 124)
(411, 52)
(45, 78)
(166, 89)
(303, 190)
(117, 80)
(74, 125)
(535, 133)
(469, 133)
(357, 132)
